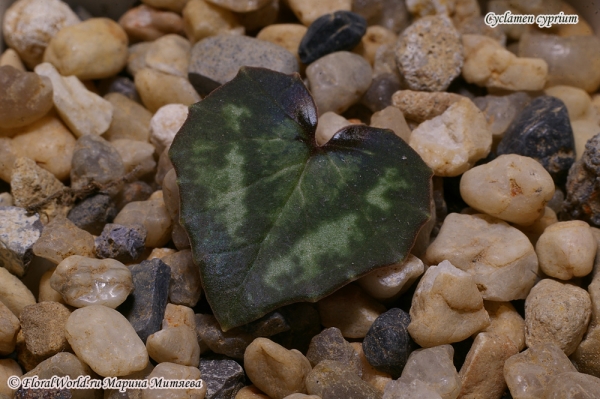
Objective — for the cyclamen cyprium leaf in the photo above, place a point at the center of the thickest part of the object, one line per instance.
(273, 218)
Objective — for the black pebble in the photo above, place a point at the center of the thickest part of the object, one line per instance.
(223, 378)
(123, 243)
(93, 213)
(339, 31)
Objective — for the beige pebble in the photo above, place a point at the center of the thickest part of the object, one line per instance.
(13, 293)
(392, 118)
(172, 371)
(29, 25)
(328, 125)
(25, 358)
(136, 155)
(171, 197)
(202, 19)
(287, 36)
(178, 315)
(165, 124)
(143, 23)
(375, 37)
(241, 6)
(535, 230)
(93, 49)
(11, 57)
(9, 326)
(419, 106)
(158, 89)
(6, 199)
(557, 313)
(153, 215)
(567, 249)
(46, 292)
(350, 310)
(501, 259)
(175, 345)
(505, 320)
(275, 370)
(530, 372)
(451, 143)
(160, 253)
(512, 187)
(446, 296)
(172, 5)
(83, 111)
(252, 21)
(377, 379)
(43, 326)
(61, 239)
(250, 392)
(587, 355)
(577, 100)
(415, 390)
(136, 58)
(490, 65)
(106, 341)
(130, 120)
(84, 281)
(169, 54)
(309, 10)
(8, 367)
(583, 130)
(389, 282)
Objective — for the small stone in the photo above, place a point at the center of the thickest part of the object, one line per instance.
(572, 61)
(185, 287)
(165, 124)
(389, 282)
(9, 326)
(96, 161)
(379, 95)
(307, 11)
(25, 358)
(577, 101)
(419, 106)
(350, 310)
(137, 157)
(202, 19)
(46, 293)
(388, 345)
(583, 130)
(136, 60)
(122, 243)
(18, 233)
(252, 21)
(223, 378)
(446, 296)
(512, 187)
(556, 313)
(216, 60)
(451, 143)
(163, 167)
(581, 202)
(143, 23)
(11, 57)
(84, 281)
(171, 5)
(29, 25)
(482, 374)
(270, 324)
(338, 31)
(530, 372)
(415, 390)
(93, 49)
(331, 379)
(6, 199)
(370, 374)
(506, 321)
(8, 367)
(84, 112)
(586, 356)
(435, 368)
(429, 54)
(489, 64)
(175, 345)
(500, 111)
(130, 120)
(328, 125)
(231, 343)
(375, 37)
(329, 344)
(43, 326)
(287, 36)
(275, 370)
(157, 89)
(145, 307)
(178, 315)
(153, 215)
(13, 293)
(243, 6)
(172, 371)
(478, 245)
(24, 97)
(573, 385)
(134, 191)
(31, 185)
(476, 26)
(338, 80)
(93, 213)
(542, 131)
(170, 191)
(169, 54)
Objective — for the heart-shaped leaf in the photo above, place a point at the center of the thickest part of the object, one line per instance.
(272, 217)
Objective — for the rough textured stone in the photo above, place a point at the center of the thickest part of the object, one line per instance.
(419, 106)
(331, 379)
(18, 233)
(329, 344)
(29, 25)
(93, 213)
(172, 371)
(216, 60)
(13, 293)
(451, 143)
(512, 187)
(223, 378)
(429, 54)
(123, 243)
(415, 390)
(6, 199)
(24, 356)
(388, 345)
(571, 385)
(339, 31)
(504, 320)
(587, 355)
(338, 80)
(202, 19)
(9, 326)
(147, 24)
(231, 343)
(446, 296)
(500, 258)
(130, 120)
(165, 123)
(84, 112)
(175, 345)
(557, 313)
(530, 372)
(500, 111)
(134, 191)
(24, 97)
(43, 326)
(153, 215)
(388, 283)
(178, 315)
(542, 131)
(275, 370)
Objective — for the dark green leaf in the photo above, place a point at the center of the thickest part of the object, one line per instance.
(273, 218)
